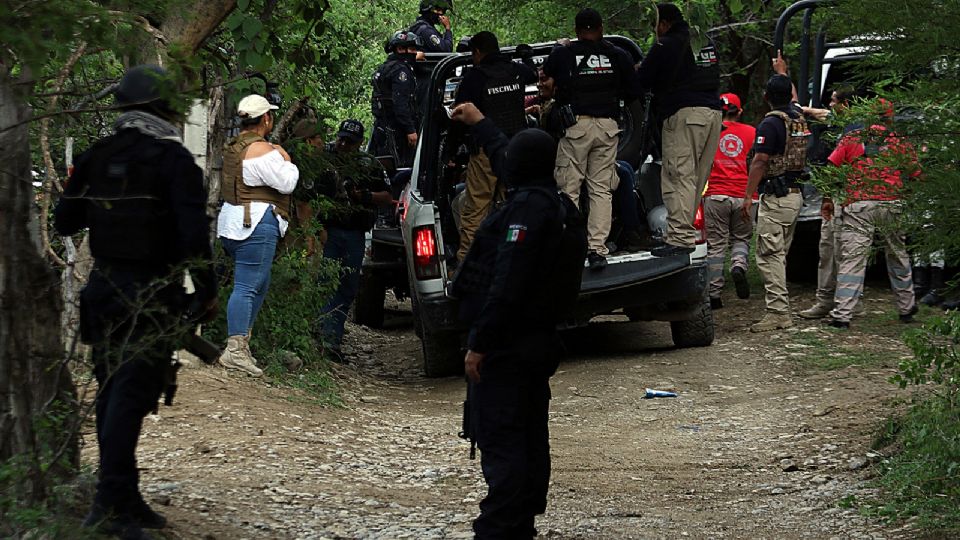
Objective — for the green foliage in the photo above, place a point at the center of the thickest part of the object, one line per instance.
(935, 352)
(289, 320)
(922, 479)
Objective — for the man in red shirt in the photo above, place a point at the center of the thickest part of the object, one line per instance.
(876, 156)
(723, 199)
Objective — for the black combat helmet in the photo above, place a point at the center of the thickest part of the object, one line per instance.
(427, 5)
(146, 86)
(403, 38)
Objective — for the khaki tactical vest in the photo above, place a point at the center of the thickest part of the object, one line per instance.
(234, 191)
(794, 157)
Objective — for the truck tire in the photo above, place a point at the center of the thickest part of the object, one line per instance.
(695, 332)
(441, 350)
(368, 307)
(441, 354)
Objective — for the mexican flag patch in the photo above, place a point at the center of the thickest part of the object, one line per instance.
(516, 233)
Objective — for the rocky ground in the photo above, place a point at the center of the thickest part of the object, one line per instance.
(769, 438)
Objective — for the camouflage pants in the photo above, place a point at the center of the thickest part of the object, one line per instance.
(827, 267)
(776, 221)
(858, 222)
(725, 226)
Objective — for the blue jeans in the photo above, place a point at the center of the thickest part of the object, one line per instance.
(253, 259)
(345, 246)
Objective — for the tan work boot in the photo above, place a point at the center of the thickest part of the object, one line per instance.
(818, 311)
(237, 356)
(772, 321)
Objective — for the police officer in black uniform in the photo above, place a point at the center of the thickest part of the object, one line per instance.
(356, 184)
(143, 199)
(521, 274)
(394, 102)
(496, 85)
(432, 13)
(687, 103)
(592, 76)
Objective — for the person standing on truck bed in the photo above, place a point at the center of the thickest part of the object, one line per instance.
(780, 154)
(591, 76)
(258, 178)
(686, 93)
(873, 207)
(432, 13)
(496, 85)
(722, 202)
(519, 278)
(143, 199)
(394, 101)
(357, 185)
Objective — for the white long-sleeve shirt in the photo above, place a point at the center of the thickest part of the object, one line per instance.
(267, 170)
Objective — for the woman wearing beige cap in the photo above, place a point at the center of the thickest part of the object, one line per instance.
(258, 179)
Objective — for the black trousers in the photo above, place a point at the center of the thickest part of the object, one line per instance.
(509, 409)
(125, 317)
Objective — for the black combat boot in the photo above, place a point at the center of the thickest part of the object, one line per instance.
(934, 297)
(118, 525)
(145, 516)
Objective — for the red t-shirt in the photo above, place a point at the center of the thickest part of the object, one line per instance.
(870, 181)
(729, 173)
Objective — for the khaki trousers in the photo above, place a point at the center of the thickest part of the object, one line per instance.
(587, 153)
(827, 267)
(725, 226)
(776, 220)
(690, 139)
(478, 199)
(858, 222)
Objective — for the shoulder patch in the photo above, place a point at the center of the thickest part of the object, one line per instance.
(761, 139)
(402, 76)
(435, 39)
(516, 233)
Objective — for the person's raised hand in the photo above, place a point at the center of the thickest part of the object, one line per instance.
(468, 113)
(445, 21)
(412, 139)
(779, 64)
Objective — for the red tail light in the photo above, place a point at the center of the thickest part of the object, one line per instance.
(426, 259)
(700, 225)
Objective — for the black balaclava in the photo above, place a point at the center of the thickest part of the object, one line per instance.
(430, 16)
(530, 159)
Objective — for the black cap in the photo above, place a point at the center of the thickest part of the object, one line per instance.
(669, 13)
(588, 19)
(143, 84)
(779, 88)
(351, 130)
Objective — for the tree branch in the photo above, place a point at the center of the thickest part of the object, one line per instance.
(50, 177)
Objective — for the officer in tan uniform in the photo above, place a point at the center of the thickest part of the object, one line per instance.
(780, 153)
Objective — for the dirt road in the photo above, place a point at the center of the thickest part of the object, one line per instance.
(760, 443)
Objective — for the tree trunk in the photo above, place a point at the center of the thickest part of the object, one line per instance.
(34, 381)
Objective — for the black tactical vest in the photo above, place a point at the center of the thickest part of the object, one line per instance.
(382, 82)
(503, 93)
(128, 210)
(596, 79)
(705, 76)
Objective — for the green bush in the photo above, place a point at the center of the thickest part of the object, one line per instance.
(922, 478)
(289, 319)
